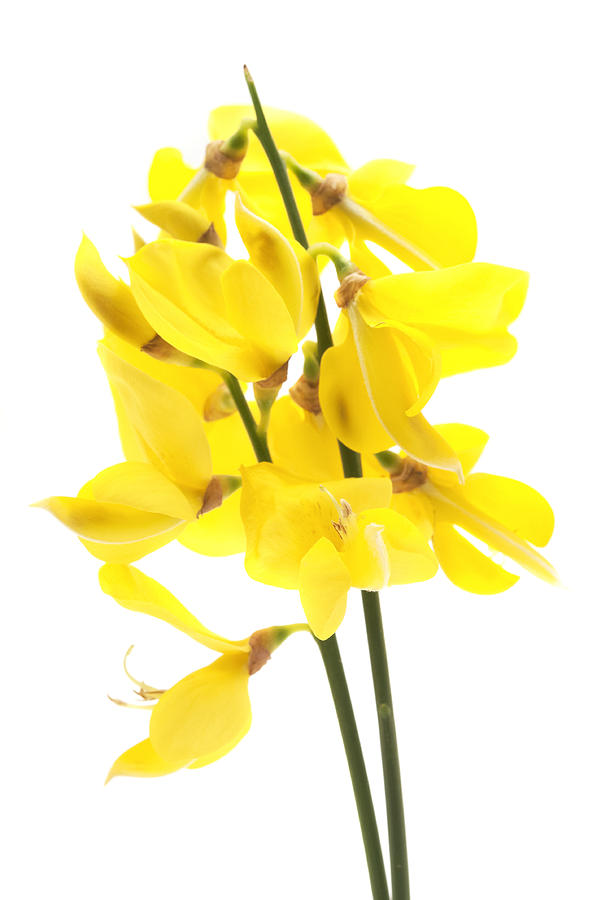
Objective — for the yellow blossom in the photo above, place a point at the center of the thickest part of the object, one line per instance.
(397, 335)
(206, 714)
(244, 316)
(324, 539)
(506, 515)
(135, 507)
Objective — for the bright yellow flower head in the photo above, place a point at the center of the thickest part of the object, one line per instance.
(221, 532)
(244, 316)
(204, 716)
(136, 507)
(324, 539)
(505, 515)
(397, 335)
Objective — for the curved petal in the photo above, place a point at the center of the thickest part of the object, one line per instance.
(180, 220)
(302, 443)
(364, 393)
(257, 311)
(519, 507)
(166, 422)
(463, 351)
(219, 532)
(371, 181)
(475, 297)
(428, 228)
(205, 715)
(109, 298)
(466, 441)
(323, 584)
(410, 557)
(452, 506)
(417, 508)
(141, 761)
(168, 175)
(467, 567)
(178, 286)
(134, 590)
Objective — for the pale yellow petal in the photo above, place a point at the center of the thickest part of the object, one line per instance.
(410, 557)
(141, 761)
(167, 423)
(205, 715)
(110, 298)
(219, 532)
(466, 566)
(168, 175)
(180, 220)
(134, 590)
(323, 584)
(519, 507)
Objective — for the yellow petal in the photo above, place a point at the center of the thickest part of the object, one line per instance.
(366, 261)
(284, 516)
(286, 265)
(168, 175)
(372, 180)
(219, 532)
(299, 136)
(428, 228)
(205, 715)
(167, 423)
(141, 761)
(519, 507)
(466, 566)
(136, 591)
(364, 392)
(417, 508)
(196, 384)
(451, 505)
(257, 311)
(466, 441)
(178, 286)
(323, 584)
(110, 298)
(302, 443)
(409, 555)
(109, 523)
(140, 485)
(464, 351)
(180, 220)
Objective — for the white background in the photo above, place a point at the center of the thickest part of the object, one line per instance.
(496, 696)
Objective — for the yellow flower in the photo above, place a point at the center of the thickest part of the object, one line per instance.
(204, 716)
(221, 532)
(244, 316)
(324, 539)
(505, 515)
(135, 507)
(397, 335)
(427, 228)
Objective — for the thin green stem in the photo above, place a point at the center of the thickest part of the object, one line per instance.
(332, 661)
(258, 439)
(261, 129)
(389, 745)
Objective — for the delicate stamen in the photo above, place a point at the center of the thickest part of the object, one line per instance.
(145, 691)
(118, 702)
(344, 511)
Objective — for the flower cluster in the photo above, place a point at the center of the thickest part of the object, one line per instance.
(338, 482)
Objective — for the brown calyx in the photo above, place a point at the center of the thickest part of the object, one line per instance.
(213, 496)
(219, 163)
(305, 394)
(259, 653)
(275, 380)
(212, 237)
(412, 475)
(349, 288)
(328, 193)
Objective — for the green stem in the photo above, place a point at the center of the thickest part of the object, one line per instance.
(262, 132)
(332, 661)
(258, 439)
(389, 745)
(351, 463)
